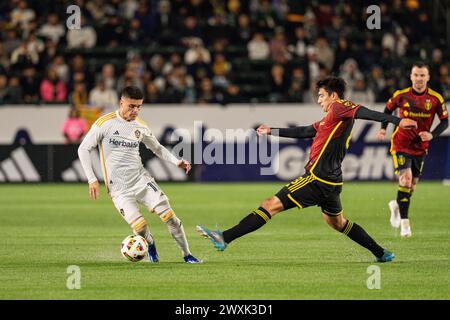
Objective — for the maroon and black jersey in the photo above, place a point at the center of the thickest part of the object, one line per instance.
(421, 108)
(331, 142)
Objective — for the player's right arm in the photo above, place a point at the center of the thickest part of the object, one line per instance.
(296, 132)
(441, 127)
(391, 105)
(90, 142)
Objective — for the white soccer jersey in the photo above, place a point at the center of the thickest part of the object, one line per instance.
(118, 142)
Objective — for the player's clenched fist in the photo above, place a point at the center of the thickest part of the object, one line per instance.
(184, 164)
(425, 136)
(408, 124)
(381, 134)
(263, 129)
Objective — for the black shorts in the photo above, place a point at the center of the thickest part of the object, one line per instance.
(404, 161)
(307, 191)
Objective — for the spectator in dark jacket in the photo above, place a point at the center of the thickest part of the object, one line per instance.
(30, 83)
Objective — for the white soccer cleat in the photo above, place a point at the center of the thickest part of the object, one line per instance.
(405, 231)
(395, 213)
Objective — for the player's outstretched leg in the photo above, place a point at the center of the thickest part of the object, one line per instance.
(140, 227)
(250, 223)
(216, 237)
(176, 229)
(359, 235)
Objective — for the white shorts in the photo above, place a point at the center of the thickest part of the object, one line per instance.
(145, 192)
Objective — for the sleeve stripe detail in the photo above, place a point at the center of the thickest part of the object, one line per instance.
(105, 118)
(139, 120)
(396, 93)
(436, 94)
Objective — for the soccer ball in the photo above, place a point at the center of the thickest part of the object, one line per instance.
(134, 248)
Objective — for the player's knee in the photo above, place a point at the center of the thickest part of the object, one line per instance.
(406, 180)
(139, 226)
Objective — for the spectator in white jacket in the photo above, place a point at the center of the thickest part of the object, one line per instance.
(101, 96)
(22, 16)
(85, 37)
(197, 52)
(258, 48)
(53, 29)
(28, 52)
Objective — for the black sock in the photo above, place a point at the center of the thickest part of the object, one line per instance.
(250, 223)
(403, 200)
(357, 234)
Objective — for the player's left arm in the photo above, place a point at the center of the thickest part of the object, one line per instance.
(427, 136)
(443, 124)
(367, 114)
(161, 152)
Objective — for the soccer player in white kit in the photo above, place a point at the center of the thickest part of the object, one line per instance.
(117, 136)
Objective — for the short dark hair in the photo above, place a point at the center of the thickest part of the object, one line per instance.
(333, 84)
(420, 64)
(132, 92)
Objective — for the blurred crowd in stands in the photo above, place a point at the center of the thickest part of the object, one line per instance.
(217, 51)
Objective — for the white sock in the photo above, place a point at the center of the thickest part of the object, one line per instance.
(405, 223)
(177, 231)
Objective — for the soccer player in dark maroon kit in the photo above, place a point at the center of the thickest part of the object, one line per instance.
(409, 147)
(321, 184)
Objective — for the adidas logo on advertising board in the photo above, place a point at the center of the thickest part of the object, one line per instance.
(18, 168)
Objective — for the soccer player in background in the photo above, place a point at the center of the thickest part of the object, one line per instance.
(409, 147)
(117, 136)
(321, 184)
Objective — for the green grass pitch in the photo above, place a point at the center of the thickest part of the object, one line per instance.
(46, 228)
